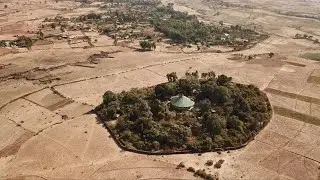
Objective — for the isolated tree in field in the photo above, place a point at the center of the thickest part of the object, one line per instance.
(147, 45)
(115, 41)
(153, 45)
(53, 26)
(40, 34)
(271, 54)
(221, 23)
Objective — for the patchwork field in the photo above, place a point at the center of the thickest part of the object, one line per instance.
(47, 94)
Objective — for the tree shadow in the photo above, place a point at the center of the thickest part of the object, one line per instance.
(143, 50)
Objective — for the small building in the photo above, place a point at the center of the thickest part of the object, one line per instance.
(181, 102)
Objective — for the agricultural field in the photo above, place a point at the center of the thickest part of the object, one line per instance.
(59, 57)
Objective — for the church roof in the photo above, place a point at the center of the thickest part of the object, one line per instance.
(181, 101)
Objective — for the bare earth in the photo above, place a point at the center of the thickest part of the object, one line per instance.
(47, 92)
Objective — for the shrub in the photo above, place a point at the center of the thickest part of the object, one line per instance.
(209, 163)
(147, 45)
(201, 173)
(210, 177)
(22, 41)
(191, 169)
(219, 164)
(181, 165)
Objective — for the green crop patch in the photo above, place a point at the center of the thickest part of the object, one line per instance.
(311, 56)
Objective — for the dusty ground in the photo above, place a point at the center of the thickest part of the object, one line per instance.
(47, 131)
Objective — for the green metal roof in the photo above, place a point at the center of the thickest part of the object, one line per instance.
(181, 101)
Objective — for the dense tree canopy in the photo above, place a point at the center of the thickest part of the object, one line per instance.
(225, 114)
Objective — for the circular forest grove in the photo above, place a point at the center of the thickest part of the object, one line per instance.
(197, 113)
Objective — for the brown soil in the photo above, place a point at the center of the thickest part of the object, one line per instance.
(14, 147)
(294, 96)
(314, 79)
(296, 115)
